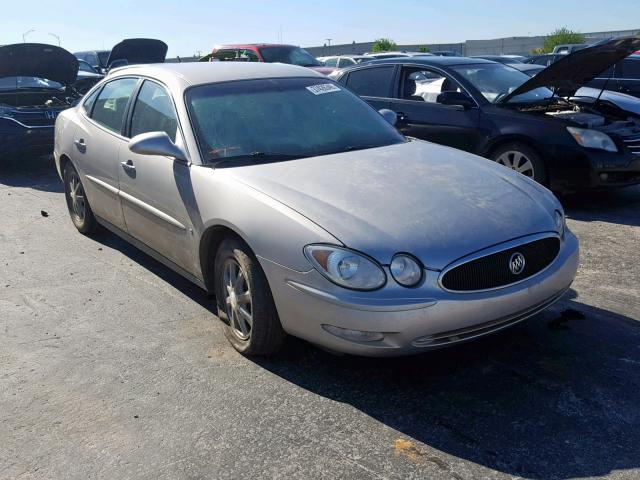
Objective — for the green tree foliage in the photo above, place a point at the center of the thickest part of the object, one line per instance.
(384, 45)
(561, 36)
(424, 49)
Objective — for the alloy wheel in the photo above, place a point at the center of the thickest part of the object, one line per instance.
(517, 161)
(238, 304)
(77, 196)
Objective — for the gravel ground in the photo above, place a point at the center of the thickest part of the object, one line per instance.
(112, 366)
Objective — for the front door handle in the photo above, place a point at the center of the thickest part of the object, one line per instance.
(128, 166)
(401, 117)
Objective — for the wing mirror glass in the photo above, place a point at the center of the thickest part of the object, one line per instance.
(389, 115)
(156, 143)
(455, 98)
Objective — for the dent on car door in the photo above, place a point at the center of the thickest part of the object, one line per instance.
(373, 84)
(421, 115)
(97, 141)
(156, 190)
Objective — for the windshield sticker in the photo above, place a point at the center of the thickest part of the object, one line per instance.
(324, 88)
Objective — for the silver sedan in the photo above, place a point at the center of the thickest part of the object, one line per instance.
(306, 212)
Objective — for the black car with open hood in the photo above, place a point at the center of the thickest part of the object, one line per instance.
(133, 51)
(537, 126)
(36, 83)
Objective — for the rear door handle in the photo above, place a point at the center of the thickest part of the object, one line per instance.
(80, 144)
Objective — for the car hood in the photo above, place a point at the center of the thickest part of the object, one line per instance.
(578, 68)
(139, 50)
(435, 202)
(38, 60)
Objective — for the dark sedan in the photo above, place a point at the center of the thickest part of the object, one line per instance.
(500, 113)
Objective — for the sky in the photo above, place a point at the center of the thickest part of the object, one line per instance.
(190, 27)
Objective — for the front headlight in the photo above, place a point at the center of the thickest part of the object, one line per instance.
(592, 139)
(406, 270)
(560, 222)
(345, 267)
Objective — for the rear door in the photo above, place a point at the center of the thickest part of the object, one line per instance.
(374, 84)
(97, 142)
(154, 189)
(420, 115)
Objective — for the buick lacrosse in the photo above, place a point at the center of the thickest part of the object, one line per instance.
(306, 212)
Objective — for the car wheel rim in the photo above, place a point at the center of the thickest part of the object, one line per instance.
(76, 197)
(238, 304)
(517, 161)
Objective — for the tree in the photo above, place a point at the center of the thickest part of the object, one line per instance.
(384, 45)
(423, 49)
(561, 36)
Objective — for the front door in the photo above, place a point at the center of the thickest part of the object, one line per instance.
(421, 116)
(373, 84)
(154, 189)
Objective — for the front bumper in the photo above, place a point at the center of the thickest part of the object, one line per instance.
(412, 320)
(18, 139)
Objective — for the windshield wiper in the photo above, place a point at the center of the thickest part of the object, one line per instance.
(258, 157)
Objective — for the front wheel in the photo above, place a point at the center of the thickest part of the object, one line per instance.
(245, 302)
(523, 159)
(79, 208)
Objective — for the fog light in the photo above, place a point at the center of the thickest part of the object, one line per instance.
(354, 335)
(604, 177)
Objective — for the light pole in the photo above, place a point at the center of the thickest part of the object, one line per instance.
(329, 41)
(24, 35)
(56, 37)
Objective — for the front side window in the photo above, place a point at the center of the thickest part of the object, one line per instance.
(495, 81)
(345, 62)
(291, 55)
(111, 104)
(371, 82)
(423, 85)
(282, 119)
(331, 62)
(154, 112)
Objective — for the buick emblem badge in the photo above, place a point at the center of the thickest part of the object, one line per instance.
(516, 263)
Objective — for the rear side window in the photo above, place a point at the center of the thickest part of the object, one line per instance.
(87, 105)
(345, 62)
(631, 69)
(371, 82)
(110, 106)
(331, 62)
(154, 112)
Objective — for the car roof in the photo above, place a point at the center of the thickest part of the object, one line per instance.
(431, 60)
(198, 73)
(251, 45)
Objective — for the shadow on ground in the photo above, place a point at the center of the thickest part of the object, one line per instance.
(37, 173)
(620, 206)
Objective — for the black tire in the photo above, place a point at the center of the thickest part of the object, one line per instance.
(517, 153)
(82, 217)
(265, 336)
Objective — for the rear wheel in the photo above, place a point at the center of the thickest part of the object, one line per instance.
(245, 302)
(79, 208)
(521, 158)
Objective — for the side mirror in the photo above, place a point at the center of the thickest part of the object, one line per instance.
(156, 143)
(455, 98)
(389, 115)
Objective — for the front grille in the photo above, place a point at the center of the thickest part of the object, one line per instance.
(493, 271)
(632, 142)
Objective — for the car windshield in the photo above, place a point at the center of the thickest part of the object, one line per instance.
(282, 119)
(495, 81)
(12, 83)
(290, 55)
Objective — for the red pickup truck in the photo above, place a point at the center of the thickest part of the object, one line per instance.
(266, 52)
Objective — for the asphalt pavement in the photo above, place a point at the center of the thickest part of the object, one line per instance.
(112, 366)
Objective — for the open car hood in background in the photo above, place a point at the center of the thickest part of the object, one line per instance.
(577, 69)
(38, 60)
(139, 50)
